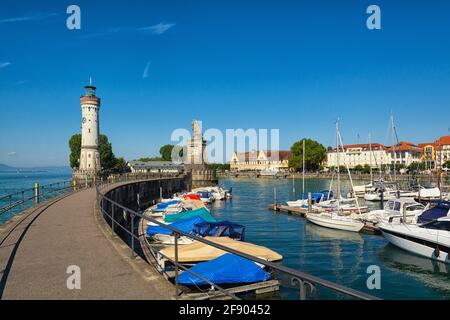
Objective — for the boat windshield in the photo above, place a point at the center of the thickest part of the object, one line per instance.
(438, 225)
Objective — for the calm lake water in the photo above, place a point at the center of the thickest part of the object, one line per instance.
(338, 256)
(11, 182)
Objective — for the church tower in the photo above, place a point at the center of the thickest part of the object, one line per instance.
(90, 154)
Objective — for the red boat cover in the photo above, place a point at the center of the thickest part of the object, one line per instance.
(191, 196)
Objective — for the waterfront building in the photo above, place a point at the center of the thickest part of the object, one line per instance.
(435, 154)
(137, 166)
(261, 161)
(354, 155)
(89, 162)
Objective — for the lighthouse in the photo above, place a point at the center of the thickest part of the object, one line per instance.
(90, 154)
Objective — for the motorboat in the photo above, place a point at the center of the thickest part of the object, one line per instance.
(395, 210)
(375, 194)
(335, 220)
(220, 229)
(316, 198)
(225, 270)
(199, 252)
(170, 239)
(206, 196)
(426, 195)
(202, 212)
(344, 205)
(361, 190)
(430, 240)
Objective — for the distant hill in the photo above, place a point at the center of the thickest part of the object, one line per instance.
(4, 167)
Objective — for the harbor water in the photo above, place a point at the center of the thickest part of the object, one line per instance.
(13, 181)
(338, 256)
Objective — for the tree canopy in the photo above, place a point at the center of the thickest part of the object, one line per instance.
(107, 158)
(315, 153)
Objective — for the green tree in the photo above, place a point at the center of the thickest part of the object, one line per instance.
(219, 166)
(120, 166)
(416, 166)
(446, 164)
(166, 152)
(358, 168)
(75, 150)
(315, 153)
(107, 158)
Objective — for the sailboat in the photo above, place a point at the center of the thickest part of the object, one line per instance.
(337, 219)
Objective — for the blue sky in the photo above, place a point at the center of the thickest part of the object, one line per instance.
(292, 65)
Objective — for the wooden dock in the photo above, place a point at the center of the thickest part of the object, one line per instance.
(256, 288)
(298, 211)
(369, 227)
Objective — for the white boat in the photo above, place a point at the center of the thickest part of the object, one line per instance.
(375, 195)
(336, 221)
(169, 239)
(430, 240)
(393, 211)
(344, 205)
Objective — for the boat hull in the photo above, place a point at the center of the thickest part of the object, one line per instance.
(424, 246)
(339, 224)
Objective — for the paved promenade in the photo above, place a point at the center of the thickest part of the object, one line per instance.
(37, 248)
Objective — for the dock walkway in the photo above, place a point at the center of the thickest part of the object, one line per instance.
(37, 247)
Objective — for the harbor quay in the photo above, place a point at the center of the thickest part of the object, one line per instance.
(41, 247)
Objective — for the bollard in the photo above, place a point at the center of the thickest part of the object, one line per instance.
(275, 197)
(36, 192)
(309, 202)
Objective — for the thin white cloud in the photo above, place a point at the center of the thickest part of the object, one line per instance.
(34, 17)
(146, 69)
(4, 64)
(158, 29)
(20, 82)
(103, 33)
(12, 154)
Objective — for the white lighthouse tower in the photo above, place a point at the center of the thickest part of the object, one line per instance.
(90, 155)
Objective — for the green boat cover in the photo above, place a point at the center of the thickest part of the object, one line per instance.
(202, 213)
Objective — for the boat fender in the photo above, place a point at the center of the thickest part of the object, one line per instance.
(437, 252)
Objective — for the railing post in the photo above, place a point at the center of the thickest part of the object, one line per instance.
(112, 218)
(132, 235)
(176, 266)
(36, 192)
(43, 193)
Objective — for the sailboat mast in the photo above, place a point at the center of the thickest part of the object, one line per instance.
(303, 165)
(393, 146)
(337, 162)
(370, 150)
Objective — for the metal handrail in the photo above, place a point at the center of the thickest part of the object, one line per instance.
(304, 280)
(42, 192)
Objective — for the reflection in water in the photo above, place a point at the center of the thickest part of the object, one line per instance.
(334, 255)
(433, 274)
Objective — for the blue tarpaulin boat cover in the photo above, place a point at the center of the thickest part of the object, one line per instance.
(202, 212)
(165, 205)
(220, 229)
(185, 225)
(440, 210)
(226, 269)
